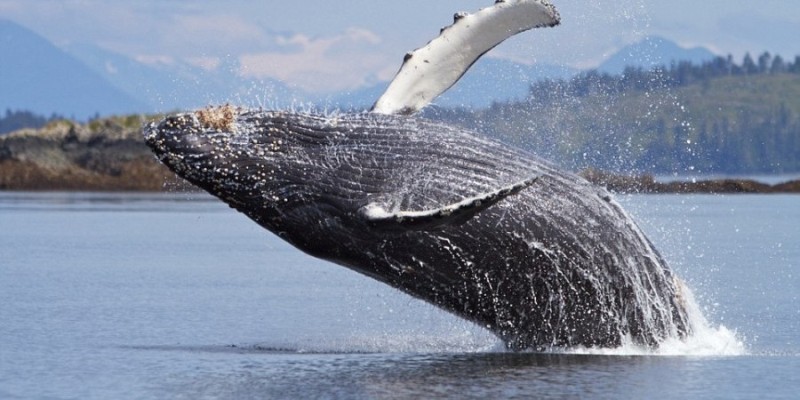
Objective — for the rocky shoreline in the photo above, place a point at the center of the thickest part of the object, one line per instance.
(648, 184)
(103, 155)
(110, 155)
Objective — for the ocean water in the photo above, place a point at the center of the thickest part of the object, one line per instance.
(128, 296)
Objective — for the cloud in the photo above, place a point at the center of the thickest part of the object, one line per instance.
(191, 35)
(206, 63)
(321, 64)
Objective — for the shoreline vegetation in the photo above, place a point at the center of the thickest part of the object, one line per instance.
(717, 116)
(110, 155)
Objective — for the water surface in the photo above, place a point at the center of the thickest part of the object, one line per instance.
(176, 296)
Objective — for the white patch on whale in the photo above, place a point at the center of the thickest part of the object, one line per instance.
(455, 213)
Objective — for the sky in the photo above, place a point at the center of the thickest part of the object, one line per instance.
(326, 46)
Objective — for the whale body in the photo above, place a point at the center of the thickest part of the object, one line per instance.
(486, 231)
(491, 233)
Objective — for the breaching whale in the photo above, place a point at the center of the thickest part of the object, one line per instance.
(539, 256)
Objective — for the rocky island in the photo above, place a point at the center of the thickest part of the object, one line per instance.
(103, 155)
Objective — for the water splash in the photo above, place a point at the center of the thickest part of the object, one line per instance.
(706, 339)
(461, 337)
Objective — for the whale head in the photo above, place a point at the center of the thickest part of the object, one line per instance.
(265, 164)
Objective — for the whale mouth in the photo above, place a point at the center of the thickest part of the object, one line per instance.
(190, 133)
(187, 147)
(186, 138)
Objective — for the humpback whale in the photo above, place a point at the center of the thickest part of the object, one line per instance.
(491, 233)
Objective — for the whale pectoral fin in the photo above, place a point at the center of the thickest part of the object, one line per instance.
(429, 71)
(452, 214)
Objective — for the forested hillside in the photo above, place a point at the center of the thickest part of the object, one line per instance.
(717, 117)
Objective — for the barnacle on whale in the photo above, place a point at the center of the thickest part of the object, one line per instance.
(220, 118)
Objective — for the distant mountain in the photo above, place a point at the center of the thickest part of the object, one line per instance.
(39, 77)
(652, 52)
(488, 80)
(178, 85)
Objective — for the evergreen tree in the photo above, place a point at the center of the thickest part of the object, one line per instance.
(778, 65)
(748, 65)
(764, 61)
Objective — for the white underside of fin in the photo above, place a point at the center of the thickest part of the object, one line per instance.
(376, 214)
(429, 71)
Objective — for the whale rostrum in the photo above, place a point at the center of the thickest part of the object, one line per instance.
(488, 232)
